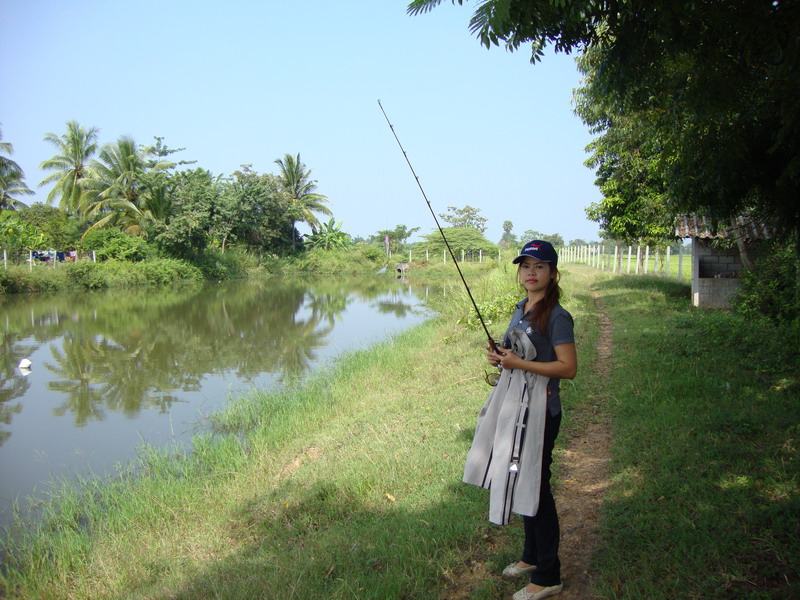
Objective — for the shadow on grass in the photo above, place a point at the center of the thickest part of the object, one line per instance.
(325, 543)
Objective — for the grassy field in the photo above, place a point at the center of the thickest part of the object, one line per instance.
(347, 486)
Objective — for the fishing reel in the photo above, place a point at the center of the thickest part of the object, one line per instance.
(493, 377)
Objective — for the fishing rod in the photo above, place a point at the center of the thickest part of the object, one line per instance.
(492, 343)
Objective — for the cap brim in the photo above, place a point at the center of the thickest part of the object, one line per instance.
(522, 257)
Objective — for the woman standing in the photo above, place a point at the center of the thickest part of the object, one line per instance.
(549, 329)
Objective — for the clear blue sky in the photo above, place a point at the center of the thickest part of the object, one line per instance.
(245, 82)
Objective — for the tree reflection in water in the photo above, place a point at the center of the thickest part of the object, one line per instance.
(131, 350)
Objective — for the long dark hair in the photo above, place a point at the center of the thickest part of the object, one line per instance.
(540, 315)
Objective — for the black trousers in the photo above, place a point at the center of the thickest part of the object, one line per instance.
(541, 531)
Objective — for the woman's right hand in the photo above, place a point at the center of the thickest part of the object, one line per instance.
(493, 357)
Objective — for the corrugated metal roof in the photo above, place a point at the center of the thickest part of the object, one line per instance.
(693, 226)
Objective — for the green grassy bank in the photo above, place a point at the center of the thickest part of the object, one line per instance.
(212, 265)
(348, 485)
(705, 496)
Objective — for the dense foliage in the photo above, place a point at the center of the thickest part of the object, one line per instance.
(770, 290)
(696, 101)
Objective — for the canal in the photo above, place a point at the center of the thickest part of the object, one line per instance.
(113, 370)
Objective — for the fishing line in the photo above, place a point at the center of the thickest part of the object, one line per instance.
(446, 243)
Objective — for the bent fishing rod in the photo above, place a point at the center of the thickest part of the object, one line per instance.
(492, 344)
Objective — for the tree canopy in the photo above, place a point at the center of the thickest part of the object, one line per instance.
(461, 239)
(136, 189)
(465, 217)
(704, 92)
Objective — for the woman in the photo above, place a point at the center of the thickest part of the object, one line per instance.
(549, 328)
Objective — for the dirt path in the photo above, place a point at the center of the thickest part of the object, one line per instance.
(583, 476)
(582, 481)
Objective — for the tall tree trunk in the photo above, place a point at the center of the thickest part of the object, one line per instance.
(738, 235)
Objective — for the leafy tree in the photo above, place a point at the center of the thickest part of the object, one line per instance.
(465, 217)
(714, 85)
(628, 160)
(74, 149)
(466, 239)
(157, 182)
(300, 189)
(17, 235)
(554, 238)
(508, 239)
(397, 237)
(12, 177)
(184, 225)
(253, 209)
(59, 230)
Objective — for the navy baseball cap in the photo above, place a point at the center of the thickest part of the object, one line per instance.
(539, 250)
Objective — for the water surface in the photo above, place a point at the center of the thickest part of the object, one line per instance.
(111, 370)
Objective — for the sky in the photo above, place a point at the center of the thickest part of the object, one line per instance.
(246, 82)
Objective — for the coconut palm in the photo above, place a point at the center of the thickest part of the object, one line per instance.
(111, 191)
(12, 185)
(300, 190)
(11, 179)
(74, 148)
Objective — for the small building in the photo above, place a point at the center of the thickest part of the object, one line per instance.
(720, 254)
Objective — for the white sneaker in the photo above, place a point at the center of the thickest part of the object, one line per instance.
(513, 570)
(552, 590)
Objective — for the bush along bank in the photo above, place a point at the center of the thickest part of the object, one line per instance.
(88, 275)
(133, 270)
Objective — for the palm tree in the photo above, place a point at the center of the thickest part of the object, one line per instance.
(11, 179)
(299, 188)
(70, 164)
(112, 188)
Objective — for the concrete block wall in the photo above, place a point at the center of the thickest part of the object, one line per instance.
(718, 263)
(714, 292)
(715, 275)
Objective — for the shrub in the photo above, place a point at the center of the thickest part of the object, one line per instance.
(162, 271)
(233, 263)
(770, 289)
(114, 244)
(22, 280)
(371, 253)
(86, 274)
(333, 261)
